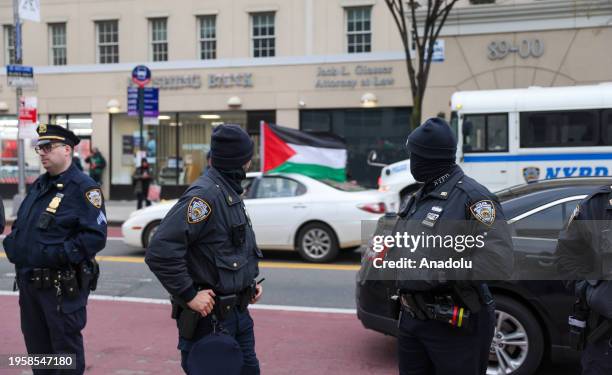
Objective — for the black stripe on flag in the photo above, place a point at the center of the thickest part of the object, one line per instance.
(313, 139)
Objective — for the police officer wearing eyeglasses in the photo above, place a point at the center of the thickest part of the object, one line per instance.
(585, 255)
(60, 226)
(447, 315)
(204, 254)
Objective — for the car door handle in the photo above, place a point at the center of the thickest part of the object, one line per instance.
(543, 260)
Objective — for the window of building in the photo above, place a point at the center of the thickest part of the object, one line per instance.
(9, 45)
(560, 129)
(207, 36)
(383, 130)
(606, 127)
(107, 42)
(485, 133)
(359, 29)
(263, 34)
(158, 37)
(57, 44)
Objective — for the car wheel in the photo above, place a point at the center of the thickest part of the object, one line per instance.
(317, 242)
(149, 232)
(518, 341)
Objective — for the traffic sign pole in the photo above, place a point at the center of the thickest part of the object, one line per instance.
(21, 190)
(141, 116)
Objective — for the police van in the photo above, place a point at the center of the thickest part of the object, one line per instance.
(509, 137)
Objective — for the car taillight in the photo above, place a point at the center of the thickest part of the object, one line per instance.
(375, 208)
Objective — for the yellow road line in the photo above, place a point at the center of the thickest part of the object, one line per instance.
(287, 265)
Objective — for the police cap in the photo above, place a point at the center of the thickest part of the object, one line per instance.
(56, 134)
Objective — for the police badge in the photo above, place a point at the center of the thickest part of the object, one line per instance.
(484, 211)
(42, 128)
(94, 196)
(531, 174)
(198, 210)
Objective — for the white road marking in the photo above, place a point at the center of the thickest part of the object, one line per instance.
(158, 301)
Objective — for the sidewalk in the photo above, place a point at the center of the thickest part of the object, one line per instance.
(116, 211)
(140, 338)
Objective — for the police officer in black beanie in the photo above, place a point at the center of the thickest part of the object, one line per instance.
(447, 317)
(204, 254)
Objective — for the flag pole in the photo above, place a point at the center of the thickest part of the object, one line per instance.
(262, 148)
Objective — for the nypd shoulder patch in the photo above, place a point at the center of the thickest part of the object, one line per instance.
(94, 196)
(484, 211)
(198, 210)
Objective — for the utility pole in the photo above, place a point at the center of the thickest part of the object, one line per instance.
(21, 191)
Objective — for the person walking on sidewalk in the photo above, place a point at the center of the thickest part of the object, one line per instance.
(97, 163)
(141, 180)
(60, 226)
(205, 255)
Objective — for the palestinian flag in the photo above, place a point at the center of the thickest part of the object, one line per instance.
(318, 155)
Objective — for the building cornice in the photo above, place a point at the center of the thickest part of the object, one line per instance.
(374, 57)
(531, 16)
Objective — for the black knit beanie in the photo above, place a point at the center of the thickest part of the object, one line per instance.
(230, 146)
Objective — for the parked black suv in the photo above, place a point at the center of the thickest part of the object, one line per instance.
(531, 315)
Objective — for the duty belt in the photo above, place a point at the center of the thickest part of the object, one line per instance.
(440, 307)
(44, 278)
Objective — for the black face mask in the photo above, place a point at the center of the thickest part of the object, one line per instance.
(234, 177)
(426, 170)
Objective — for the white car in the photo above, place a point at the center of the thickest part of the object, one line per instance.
(290, 212)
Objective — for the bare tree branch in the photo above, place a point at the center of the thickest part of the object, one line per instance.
(435, 16)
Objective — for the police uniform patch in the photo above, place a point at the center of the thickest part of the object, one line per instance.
(94, 196)
(198, 210)
(484, 211)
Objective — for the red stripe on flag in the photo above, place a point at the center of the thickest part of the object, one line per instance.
(276, 151)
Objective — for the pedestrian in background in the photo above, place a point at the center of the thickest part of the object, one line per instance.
(141, 180)
(60, 226)
(97, 163)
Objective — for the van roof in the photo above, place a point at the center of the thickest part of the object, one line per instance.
(533, 99)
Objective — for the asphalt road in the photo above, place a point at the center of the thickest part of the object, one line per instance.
(289, 282)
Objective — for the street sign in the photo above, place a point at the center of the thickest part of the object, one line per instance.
(29, 10)
(20, 76)
(141, 75)
(151, 101)
(27, 117)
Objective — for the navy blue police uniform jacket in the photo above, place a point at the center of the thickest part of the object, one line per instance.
(585, 245)
(457, 205)
(206, 241)
(76, 232)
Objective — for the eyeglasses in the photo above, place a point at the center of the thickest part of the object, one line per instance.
(45, 149)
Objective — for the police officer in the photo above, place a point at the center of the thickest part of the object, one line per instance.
(585, 252)
(60, 226)
(447, 317)
(204, 253)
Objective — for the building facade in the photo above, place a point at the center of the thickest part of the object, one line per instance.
(324, 65)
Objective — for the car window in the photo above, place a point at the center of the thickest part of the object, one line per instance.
(279, 187)
(546, 223)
